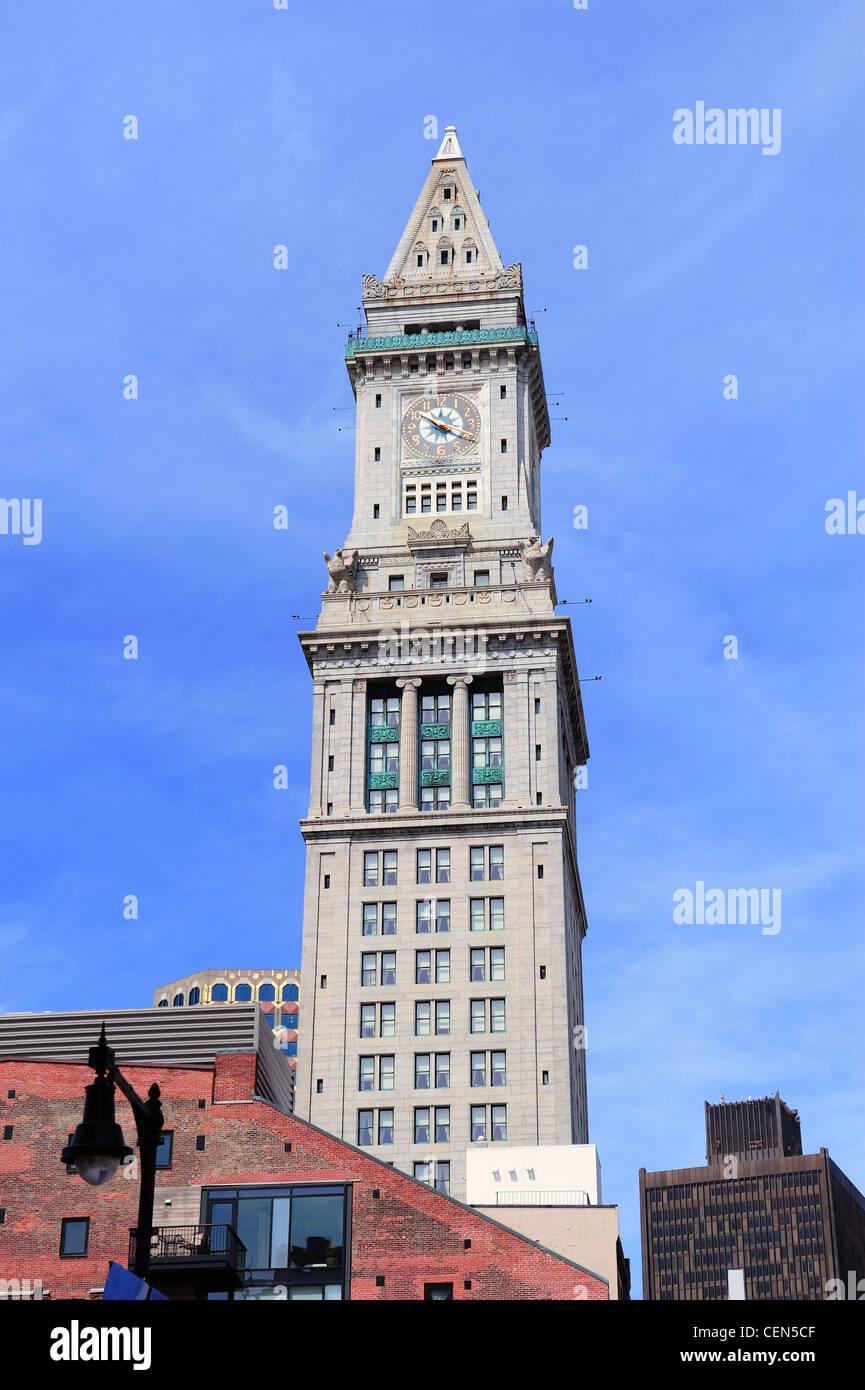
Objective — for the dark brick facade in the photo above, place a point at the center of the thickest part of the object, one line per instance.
(400, 1230)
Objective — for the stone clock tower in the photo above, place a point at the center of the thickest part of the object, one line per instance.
(443, 914)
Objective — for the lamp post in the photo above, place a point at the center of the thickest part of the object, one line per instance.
(98, 1148)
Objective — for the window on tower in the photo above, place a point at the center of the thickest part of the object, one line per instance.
(383, 753)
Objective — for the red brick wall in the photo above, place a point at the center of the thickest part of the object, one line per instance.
(409, 1234)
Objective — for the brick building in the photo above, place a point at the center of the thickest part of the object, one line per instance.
(309, 1216)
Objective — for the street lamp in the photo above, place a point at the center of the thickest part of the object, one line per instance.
(98, 1148)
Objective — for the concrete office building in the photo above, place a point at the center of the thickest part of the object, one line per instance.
(443, 915)
(784, 1226)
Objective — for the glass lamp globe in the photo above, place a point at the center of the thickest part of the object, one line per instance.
(97, 1169)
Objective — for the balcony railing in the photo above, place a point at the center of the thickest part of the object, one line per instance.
(199, 1245)
(532, 1198)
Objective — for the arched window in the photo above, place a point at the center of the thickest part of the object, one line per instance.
(177, 1000)
(289, 992)
(266, 993)
(219, 994)
(195, 995)
(470, 252)
(163, 1004)
(420, 255)
(445, 251)
(242, 994)
(436, 221)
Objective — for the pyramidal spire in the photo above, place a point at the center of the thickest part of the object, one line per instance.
(447, 238)
(450, 145)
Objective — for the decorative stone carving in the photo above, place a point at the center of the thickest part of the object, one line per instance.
(536, 558)
(373, 287)
(440, 531)
(341, 567)
(510, 279)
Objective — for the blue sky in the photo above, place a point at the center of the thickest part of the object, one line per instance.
(706, 516)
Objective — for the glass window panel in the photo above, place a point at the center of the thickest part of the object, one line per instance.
(497, 862)
(424, 865)
(385, 1126)
(389, 862)
(443, 1070)
(427, 754)
(367, 1020)
(391, 801)
(443, 753)
(500, 1122)
(477, 964)
(370, 870)
(423, 918)
(443, 1016)
(442, 1124)
(421, 1018)
(279, 1233)
(421, 1071)
(421, 1126)
(495, 752)
(479, 1122)
(497, 1015)
(442, 1179)
(370, 919)
(385, 1073)
(443, 866)
(422, 967)
(367, 969)
(478, 1016)
(364, 1127)
(253, 1228)
(388, 968)
(421, 1172)
(479, 1069)
(497, 962)
(388, 1020)
(366, 1074)
(497, 914)
(443, 967)
(443, 915)
(317, 1230)
(388, 919)
(476, 863)
(476, 914)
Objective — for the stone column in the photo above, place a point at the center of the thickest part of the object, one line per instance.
(460, 742)
(408, 768)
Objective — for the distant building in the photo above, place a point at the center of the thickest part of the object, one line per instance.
(277, 991)
(251, 1202)
(750, 1129)
(787, 1225)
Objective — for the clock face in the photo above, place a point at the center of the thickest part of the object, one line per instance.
(438, 427)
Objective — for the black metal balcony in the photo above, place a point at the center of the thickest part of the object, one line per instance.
(211, 1256)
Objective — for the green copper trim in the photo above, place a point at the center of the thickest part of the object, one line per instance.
(436, 777)
(480, 775)
(383, 733)
(435, 731)
(420, 341)
(383, 781)
(486, 728)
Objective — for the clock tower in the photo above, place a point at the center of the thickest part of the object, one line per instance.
(443, 914)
